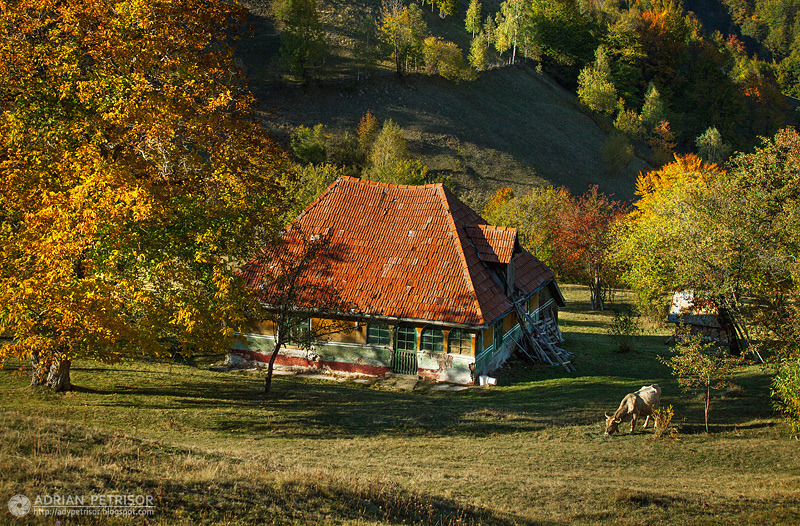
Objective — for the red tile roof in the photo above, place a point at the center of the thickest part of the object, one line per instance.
(412, 252)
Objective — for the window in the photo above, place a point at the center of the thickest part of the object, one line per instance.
(459, 342)
(432, 340)
(299, 331)
(379, 334)
(406, 338)
(498, 336)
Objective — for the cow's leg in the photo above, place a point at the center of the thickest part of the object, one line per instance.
(633, 424)
(646, 421)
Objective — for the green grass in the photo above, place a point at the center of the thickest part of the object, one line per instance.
(530, 451)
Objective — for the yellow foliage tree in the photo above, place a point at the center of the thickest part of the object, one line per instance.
(134, 175)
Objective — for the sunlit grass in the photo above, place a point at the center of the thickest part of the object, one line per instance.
(530, 451)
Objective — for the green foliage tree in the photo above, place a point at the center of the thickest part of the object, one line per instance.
(702, 366)
(368, 130)
(447, 7)
(310, 145)
(653, 109)
(312, 180)
(389, 159)
(403, 30)
(490, 28)
(508, 24)
(710, 146)
(559, 33)
(629, 123)
(617, 153)
(731, 237)
(473, 20)
(595, 88)
(302, 37)
(502, 42)
(135, 170)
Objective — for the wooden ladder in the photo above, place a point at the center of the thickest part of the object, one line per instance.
(543, 338)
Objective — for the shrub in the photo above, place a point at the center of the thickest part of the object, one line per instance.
(310, 145)
(663, 422)
(624, 329)
(617, 153)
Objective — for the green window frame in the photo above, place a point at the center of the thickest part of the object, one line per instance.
(433, 339)
(498, 335)
(379, 334)
(299, 331)
(405, 338)
(459, 341)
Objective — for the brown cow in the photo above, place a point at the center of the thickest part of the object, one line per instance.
(634, 405)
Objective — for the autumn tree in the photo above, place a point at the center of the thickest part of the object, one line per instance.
(508, 25)
(478, 52)
(445, 59)
(647, 247)
(534, 215)
(582, 240)
(403, 30)
(134, 174)
(490, 28)
(473, 20)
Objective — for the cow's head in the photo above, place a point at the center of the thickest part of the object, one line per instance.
(611, 424)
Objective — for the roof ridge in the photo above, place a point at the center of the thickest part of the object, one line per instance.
(359, 180)
(460, 249)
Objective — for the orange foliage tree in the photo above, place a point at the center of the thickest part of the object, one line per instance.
(134, 175)
(582, 240)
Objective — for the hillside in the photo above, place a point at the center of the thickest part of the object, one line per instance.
(512, 127)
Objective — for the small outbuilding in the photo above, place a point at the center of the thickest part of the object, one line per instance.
(433, 289)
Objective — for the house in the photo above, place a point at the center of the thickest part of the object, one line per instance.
(704, 317)
(431, 287)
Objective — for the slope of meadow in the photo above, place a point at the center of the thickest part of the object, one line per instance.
(513, 127)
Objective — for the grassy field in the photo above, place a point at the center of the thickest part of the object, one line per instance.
(212, 449)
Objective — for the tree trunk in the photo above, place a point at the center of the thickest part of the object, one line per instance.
(56, 377)
(596, 294)
(708, 403)
(271, 365)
